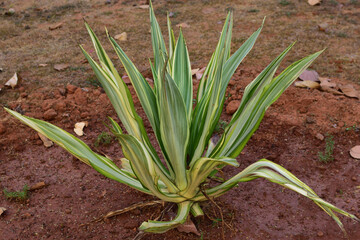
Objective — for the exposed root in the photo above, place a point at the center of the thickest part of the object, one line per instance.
(124, 210)
(223, 223)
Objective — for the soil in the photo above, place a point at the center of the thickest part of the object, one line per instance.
(293, 132)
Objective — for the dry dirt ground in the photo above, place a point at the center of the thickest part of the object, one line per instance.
(290, 133)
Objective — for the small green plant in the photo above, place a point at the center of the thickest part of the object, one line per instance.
(284, 2)
(104, 138)
(327, 156)
(183, 131)
(220, 126)
(353, 128)
(19, 195)
(93, 81)
(342, 34)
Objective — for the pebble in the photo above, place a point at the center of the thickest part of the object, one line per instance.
(320, 233)
(354, 179)
(10, 12)
(50, 114)
(320, 136)
(232, 106)
(71, 88)
(80, 97)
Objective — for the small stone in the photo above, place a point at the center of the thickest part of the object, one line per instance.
(10, 12)
(37, 186)
(354, 179)
(50, 114)
(80, 97)
(323, 27)
(71, 88)
(320, 234)
(68, 211)
(26, 215)
(310, 120)
(232, 106)
(107, 2)
(320, 136)
(2, 128)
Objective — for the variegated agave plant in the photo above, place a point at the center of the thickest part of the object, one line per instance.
(184, 131)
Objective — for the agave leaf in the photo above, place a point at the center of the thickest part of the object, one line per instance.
(120, 98)
(105, 61)
(207, 79)
(200, 170)
(148, 101)
(243, 125)
(204, 116)
(160, 227)
(174, 128)
(181, 73)
(157, 40)
(228, 70)
(145, 168)
(196, 210)
(277, 174)
(80, 150)
(172, 44)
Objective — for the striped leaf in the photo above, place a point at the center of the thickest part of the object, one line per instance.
(181, 73)
(80, 150)
(245, 123)
(174, 128)
(277, 174)
(160, 227)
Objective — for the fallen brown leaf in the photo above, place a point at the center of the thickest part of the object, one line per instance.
(355, 152)
(188, 227)
(47, 142)
(61, 66)
(349, 91)
(121, 36)
(37, 186)
(330, 90)
(326, 82)
(307, 84)
(56, 26)
(79, 128)
(194, 71)
(309, 75)
(2, 210)
(314, 2)
(183, 25)
(12, 81)
(200, 73)
(145, 6)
